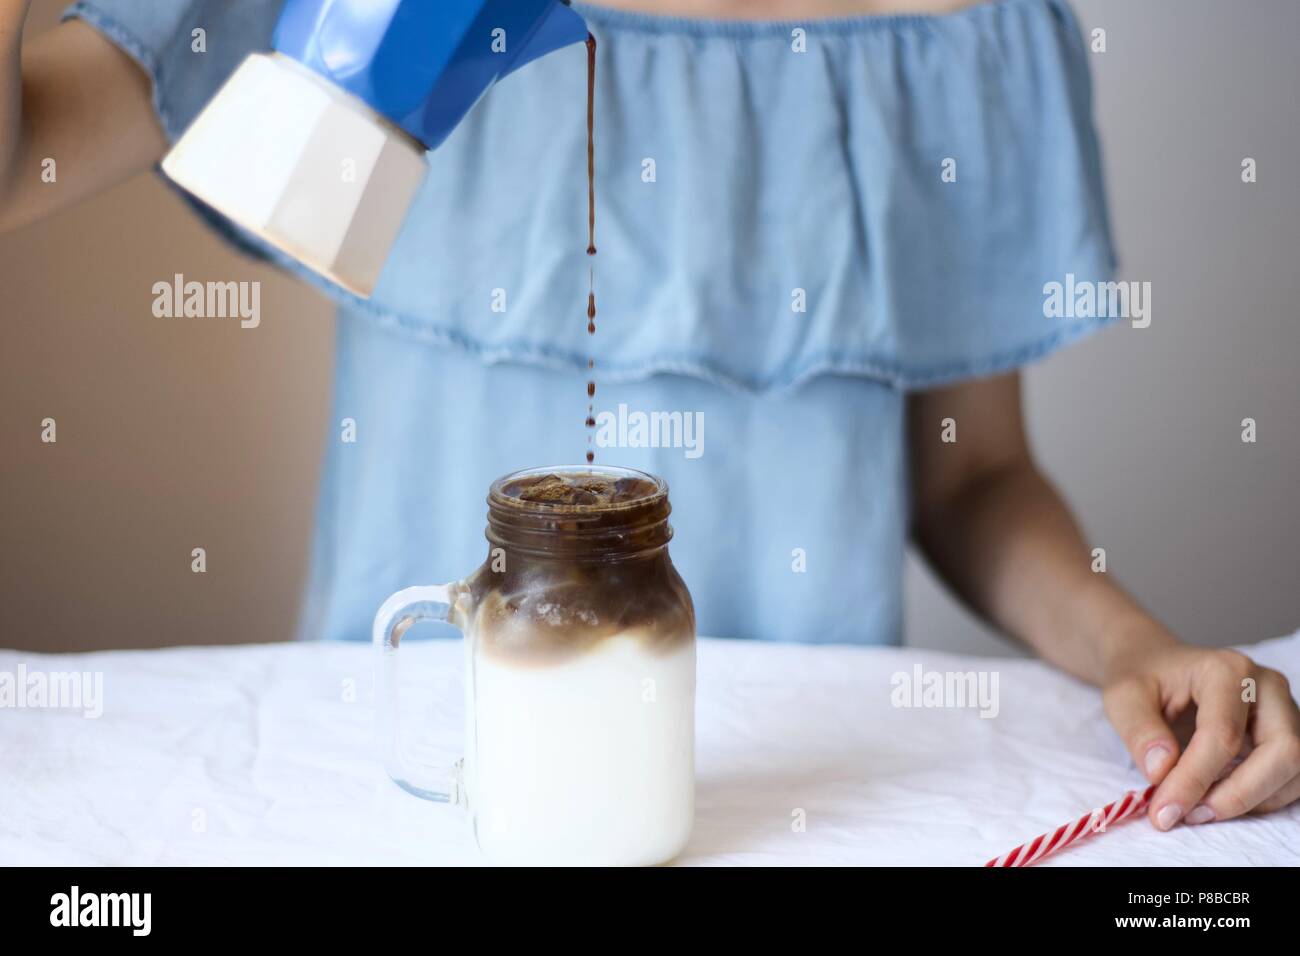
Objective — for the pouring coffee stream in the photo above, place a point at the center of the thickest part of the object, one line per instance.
(591, 235)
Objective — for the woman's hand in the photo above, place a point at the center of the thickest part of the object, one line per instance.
(1244, 753)
(1001, 536)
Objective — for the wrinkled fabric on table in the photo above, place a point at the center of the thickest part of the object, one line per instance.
(263, 754)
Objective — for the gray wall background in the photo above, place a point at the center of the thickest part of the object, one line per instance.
(1141, 428)
(167, 438)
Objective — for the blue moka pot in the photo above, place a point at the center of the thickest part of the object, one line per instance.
(318, 147)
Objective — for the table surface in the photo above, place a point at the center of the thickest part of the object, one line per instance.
(262, 754)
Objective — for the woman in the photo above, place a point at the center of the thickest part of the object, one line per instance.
(827, 239)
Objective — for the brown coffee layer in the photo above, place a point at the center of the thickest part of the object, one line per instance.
(578, 555)
(580, 514)
(547, 611)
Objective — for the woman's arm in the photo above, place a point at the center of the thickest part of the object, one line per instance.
(74, 98)
(1000, 535)
(990, 523)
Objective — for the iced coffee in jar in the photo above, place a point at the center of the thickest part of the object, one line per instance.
(580, 690)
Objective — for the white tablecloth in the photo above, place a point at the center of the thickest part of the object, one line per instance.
(262, 755)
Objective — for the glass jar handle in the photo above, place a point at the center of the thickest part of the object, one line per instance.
(394, 618)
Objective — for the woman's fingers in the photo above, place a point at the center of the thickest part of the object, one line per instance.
(1288, 795)
(1133, 707)
(1243, 755)
(1272, 767)
(1221, 715)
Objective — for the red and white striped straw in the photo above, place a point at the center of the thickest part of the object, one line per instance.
(1095, 822)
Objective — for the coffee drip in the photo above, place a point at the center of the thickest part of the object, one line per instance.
(591, 238)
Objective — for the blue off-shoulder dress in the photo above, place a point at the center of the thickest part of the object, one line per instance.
(797, 224)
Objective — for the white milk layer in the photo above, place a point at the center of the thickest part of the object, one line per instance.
(586, 762)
